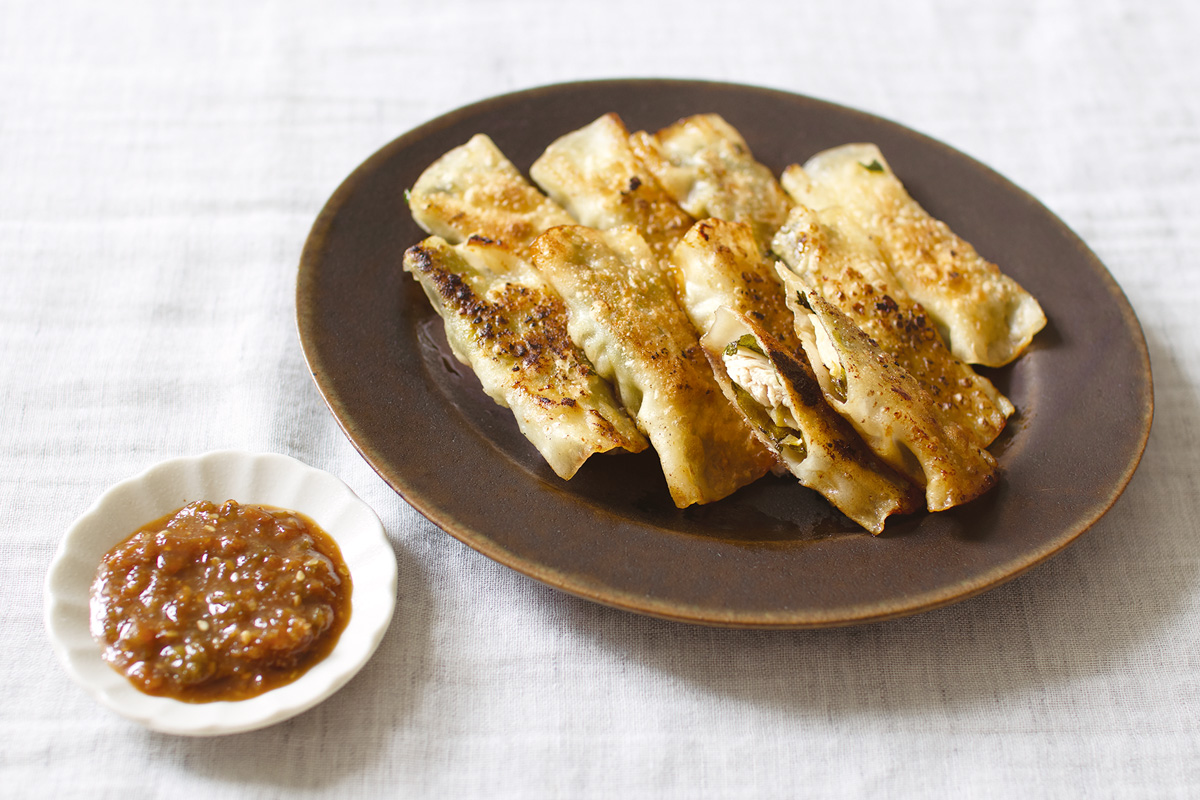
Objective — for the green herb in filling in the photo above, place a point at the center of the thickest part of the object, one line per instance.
(747, 341)
(761, 418)
(795, 443)
(839, 387)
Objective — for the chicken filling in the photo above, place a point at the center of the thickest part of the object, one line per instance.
(812, 332)
(761, 395)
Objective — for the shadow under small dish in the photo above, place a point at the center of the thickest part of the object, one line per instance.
(773, 554)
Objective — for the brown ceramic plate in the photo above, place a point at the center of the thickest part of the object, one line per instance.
(773, 554)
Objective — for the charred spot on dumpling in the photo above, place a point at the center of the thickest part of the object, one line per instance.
(419, 257)
(800, 376)
(457, 294)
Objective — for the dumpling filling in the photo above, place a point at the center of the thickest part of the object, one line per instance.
(830, 360)
(761, 395)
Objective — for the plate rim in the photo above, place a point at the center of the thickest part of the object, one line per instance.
(479, 540)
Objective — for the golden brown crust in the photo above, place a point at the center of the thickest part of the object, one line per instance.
(851, 269)
(474, 190)
(826, 251)
(623, 313)
(718, 263)
(891, 410)
(705, 164)
(987, 318)
(594, 174)
(511, 329)
(832, 459)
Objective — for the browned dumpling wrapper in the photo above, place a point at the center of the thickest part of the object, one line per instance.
(890, 409)
(986, 316)
(829, 251)
(474, 190)
(623, 313)
(705, 164)
(505, 323)
(717, 264)
(733, 296)
(779, 395)
(595, 175)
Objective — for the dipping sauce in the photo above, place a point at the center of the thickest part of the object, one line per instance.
(220, 602)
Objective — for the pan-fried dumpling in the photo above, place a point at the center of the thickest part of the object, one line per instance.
(780, 397)
(595, 175)
(705, 164)
(718, 263)
(892, 412)
(473, 190)
(623, 313)
(828, 251)
(731, 294)
(504, 322)
(986, 316)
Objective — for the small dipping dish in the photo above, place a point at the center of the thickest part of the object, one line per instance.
(249, 478)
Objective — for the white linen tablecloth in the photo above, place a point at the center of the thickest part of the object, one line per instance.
(160, 167)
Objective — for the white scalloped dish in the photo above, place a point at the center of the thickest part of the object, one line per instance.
(253, 478)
